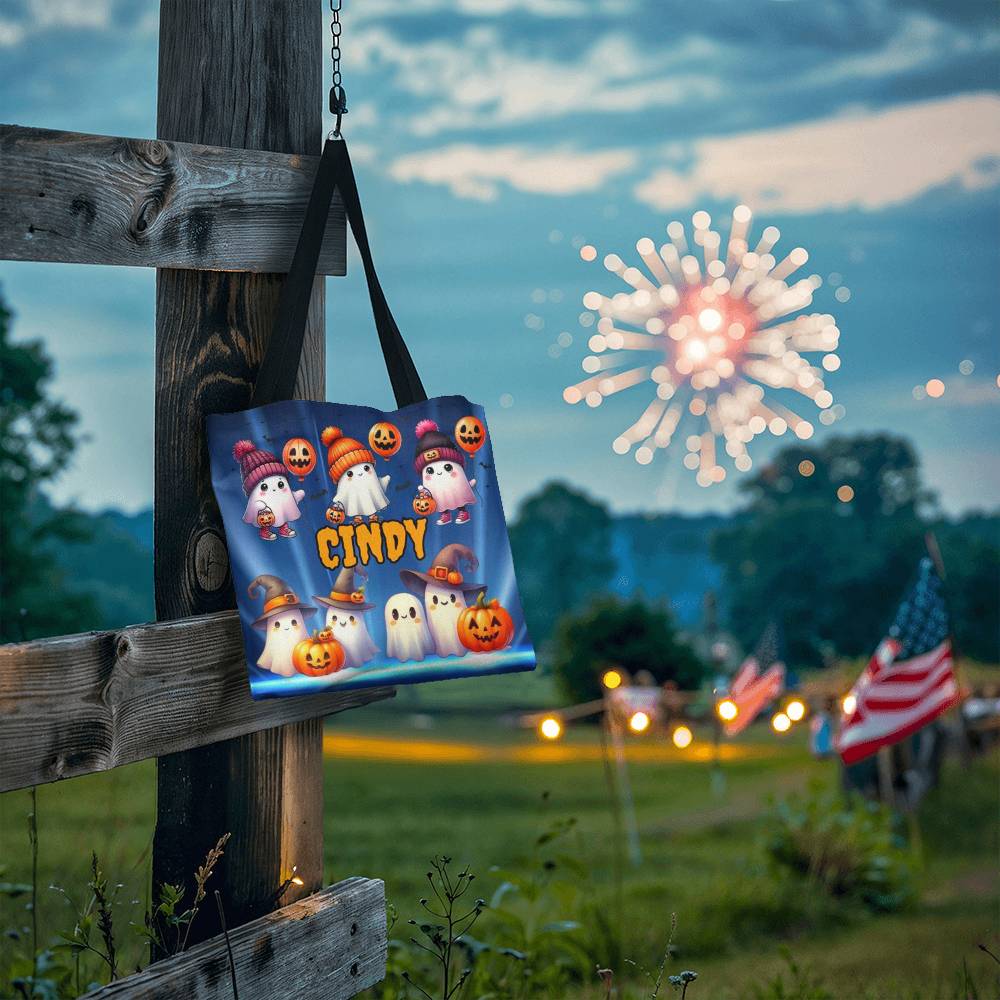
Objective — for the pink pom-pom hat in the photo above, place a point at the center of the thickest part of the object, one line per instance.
(256, 464)
(433, 446)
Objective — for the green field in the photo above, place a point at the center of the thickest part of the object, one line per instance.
(702, 851)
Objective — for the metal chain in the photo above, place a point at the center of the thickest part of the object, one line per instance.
(338, 96)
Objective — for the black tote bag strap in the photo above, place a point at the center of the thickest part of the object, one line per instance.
(278, 370)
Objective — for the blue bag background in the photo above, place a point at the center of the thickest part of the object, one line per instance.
(296, 561)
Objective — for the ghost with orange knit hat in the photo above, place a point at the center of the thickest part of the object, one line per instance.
(441, 466)
(360, 490)
(271, 501)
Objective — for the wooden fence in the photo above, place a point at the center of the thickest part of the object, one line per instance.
(214, 203)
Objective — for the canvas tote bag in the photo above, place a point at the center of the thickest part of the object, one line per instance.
(366, 547)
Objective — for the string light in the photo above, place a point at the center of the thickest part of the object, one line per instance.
(639, 722)
(550, 728)
(682, 737)
(721, 330)
(727, 709)
(795, 710)
(780, 723)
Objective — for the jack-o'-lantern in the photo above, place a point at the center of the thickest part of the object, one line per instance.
(470, 434)
(265, 517)
(299, 457)
(484, 627)
(424, 503)
(318, 656)
(385, 439)
(335, 513)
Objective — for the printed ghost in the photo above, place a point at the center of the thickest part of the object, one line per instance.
(446, 594)
(283, 623)
(406, 631)
(345, 617)
(360, 490)
(271, 501)
(441, 467)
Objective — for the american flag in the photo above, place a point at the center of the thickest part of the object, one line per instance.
(910, 679)
(751, 690)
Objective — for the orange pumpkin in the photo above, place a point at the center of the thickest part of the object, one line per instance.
(265, 517)
(424, 503)
(385, 439)
(299, 457)
(485, 627)
(318, 656)
(470, 434)
(335, 513)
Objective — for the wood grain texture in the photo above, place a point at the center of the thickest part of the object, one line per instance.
(241, 74)
(91, 702)
(95, 199)
(327, 947)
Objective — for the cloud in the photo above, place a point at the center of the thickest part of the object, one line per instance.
(867, 160)
(472, 171)
(41, 15)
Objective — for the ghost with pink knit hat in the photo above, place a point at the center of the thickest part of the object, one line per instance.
(271, 501)
(441, 466)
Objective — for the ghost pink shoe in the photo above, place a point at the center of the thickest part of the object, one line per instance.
(463, 517)
(372, 518)
(445, 518)
(267, 534)
(286, 532)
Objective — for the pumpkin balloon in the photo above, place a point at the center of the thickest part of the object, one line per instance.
(484, 627)
(424, 503)
(318, 656)
(385, 438)
(299, 457)
(470, 434)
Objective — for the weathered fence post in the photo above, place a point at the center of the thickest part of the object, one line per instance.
(246, 74)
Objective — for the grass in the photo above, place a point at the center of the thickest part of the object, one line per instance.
(701, 851)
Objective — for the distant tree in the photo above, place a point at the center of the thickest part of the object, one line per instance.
(830, 571)
(631, 634)
(561, 542)
(37, 439)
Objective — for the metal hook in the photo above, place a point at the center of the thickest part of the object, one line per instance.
(338, 107)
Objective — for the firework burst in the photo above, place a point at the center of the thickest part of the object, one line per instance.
(718, 330)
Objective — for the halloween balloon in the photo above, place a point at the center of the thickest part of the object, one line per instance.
(385, 439)
(318, 656)
(470, 434)
(299, 457)
(424, 503)
(485, 627)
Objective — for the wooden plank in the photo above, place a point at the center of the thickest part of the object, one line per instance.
(247, 75)
(328, 946)
(96, 199)
(91, 702)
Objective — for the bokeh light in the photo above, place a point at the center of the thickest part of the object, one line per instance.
(611, 679)
(682, 737)
(639, 722)
(934, 388)
(727, 709)
(845, 493)
(806, 468)
(795, 710)
(780, 723)
(550, 728)
(849, 704)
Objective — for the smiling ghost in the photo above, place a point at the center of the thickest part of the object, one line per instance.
(446, 594)
(406, 632)
(345, 617)
(283, 623)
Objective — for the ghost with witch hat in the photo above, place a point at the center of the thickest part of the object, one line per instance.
(446, 594)
(271, 501)
(283, 623)
(345, 617)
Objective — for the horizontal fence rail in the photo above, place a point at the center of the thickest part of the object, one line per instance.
(90, 702)
(328, 946)
(95, 199)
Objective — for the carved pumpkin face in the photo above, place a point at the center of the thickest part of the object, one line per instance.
(335, 513)
(485, 627)
(299, 457)
(424, 503)
(318, 656)
(470, 434)
(385, 438)
(265, 517)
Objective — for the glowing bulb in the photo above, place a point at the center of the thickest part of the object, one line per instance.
(551, 728)
(682, 737)
(611, 679)
(727, 709)
(639, 722)
(795, 710)
(710, 320)
(849, 704)
(781, 723)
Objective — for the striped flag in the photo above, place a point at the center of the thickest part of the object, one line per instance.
(909, 681)
(752, 690)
